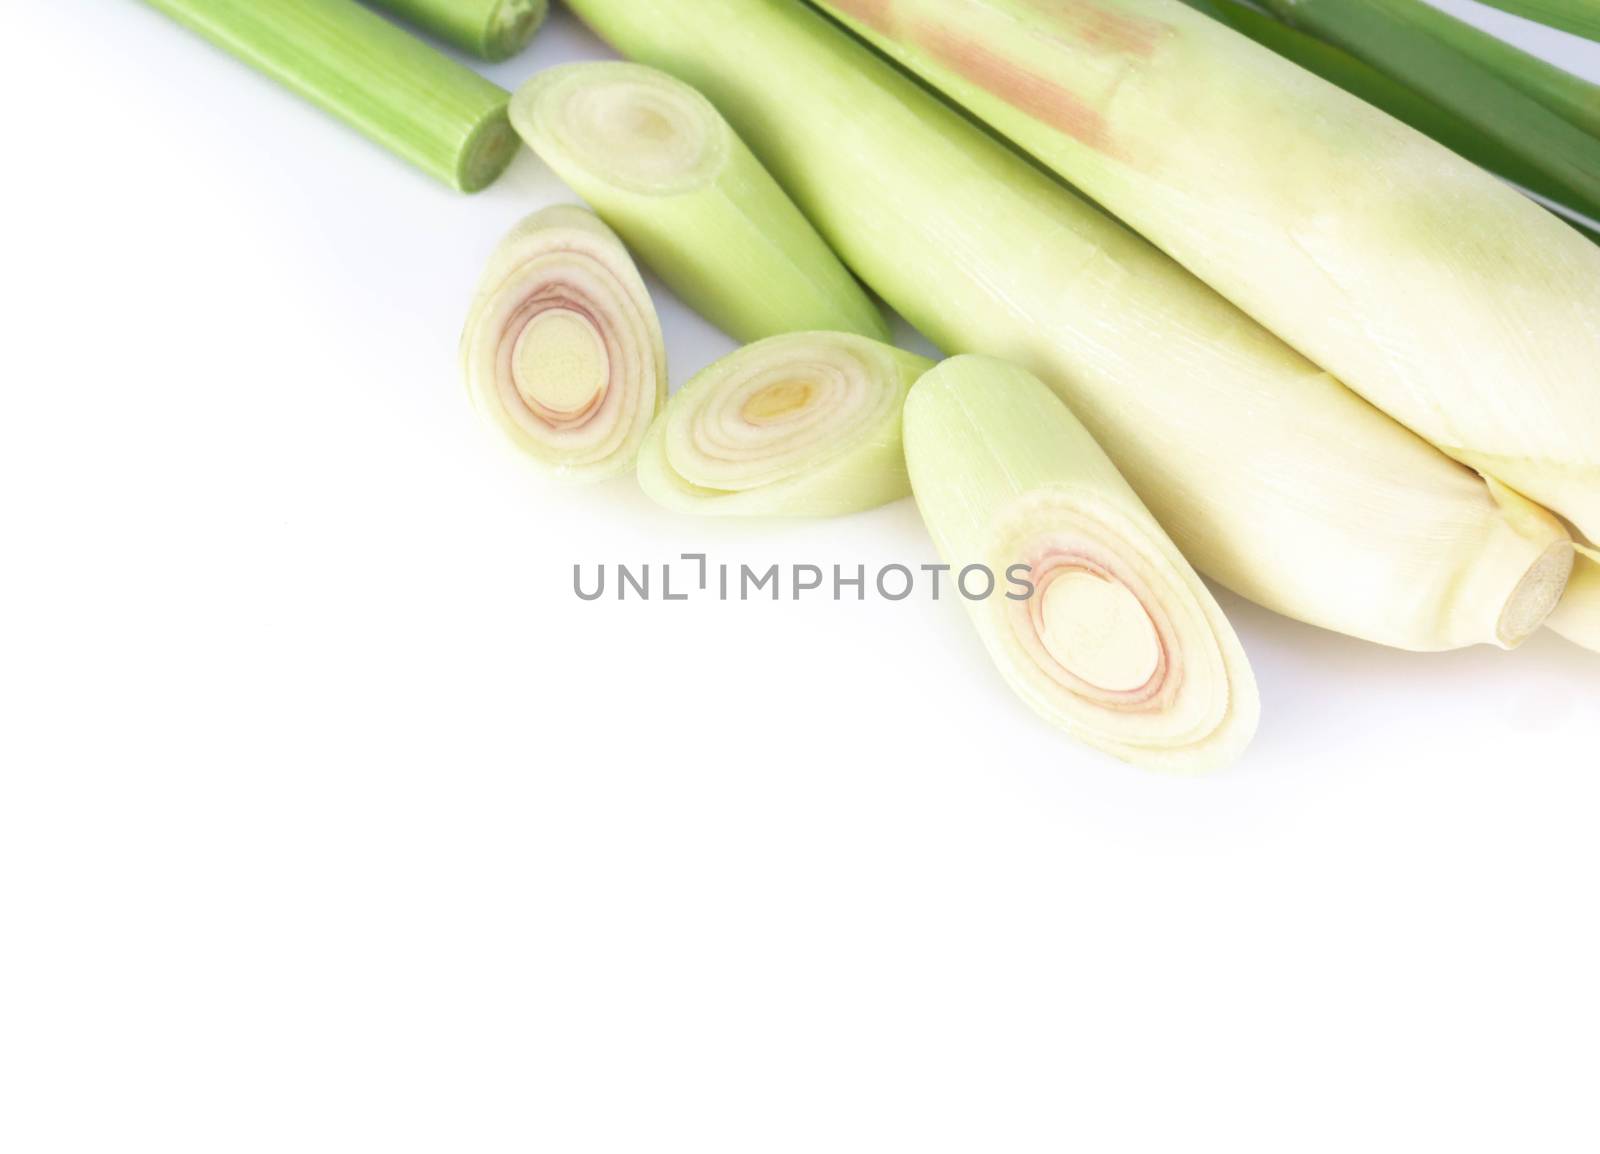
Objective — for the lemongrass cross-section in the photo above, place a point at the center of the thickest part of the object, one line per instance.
(800, 425)
(1115, 639)
(562, 350)
(659, 164)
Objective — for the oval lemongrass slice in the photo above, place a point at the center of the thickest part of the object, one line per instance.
(562, 349)
(662, 167)
(490, 29)
(1118, 642)
(800, 425)
(1577, 618)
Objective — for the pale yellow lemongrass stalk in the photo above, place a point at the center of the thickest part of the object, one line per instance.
(1110, 634)
(801, 425)
(662, 167)
(1272, 477)
(1451, 301)
(562, 350)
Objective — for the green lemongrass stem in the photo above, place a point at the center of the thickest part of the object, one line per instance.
(1445, 297)
(562, 350)
(662, 167)
(1380, 90)
(1406, 39)
(1579, 17)
(799, 425)
(1272, 477)
(1577, 618)
(1110, 634)
(1569, 96)
(491, 29)
(415, 101)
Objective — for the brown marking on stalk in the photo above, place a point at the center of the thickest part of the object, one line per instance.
(1027, 92)
(1101, 28)
(877, 15)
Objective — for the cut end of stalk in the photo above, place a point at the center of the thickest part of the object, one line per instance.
(563, 351)
(1112, 637)
(511, 27)
(488, 152)
(1522, 570)
(559, 362)
(778, 402)
(628, 125)
(1117, 644)
(1536, 595)
(1098, 631)
(806, 424)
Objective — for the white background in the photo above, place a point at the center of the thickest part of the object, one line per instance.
(330, 820)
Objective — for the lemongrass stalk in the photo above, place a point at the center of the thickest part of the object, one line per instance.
(1569, 96)
(662, 167)
(1446, 298)
(800, 425)
(1579, 17)
(1272, 477)
(562, 350)
(415, 101)
(1104, 630)
(491, 29)
(1577, 618)
(1407, 39)
(1380, 90)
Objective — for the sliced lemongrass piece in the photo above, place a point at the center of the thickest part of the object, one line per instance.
(1117, 641)
(490, 29)
(414, 100)
(800, 425)
(1577, 618)
(562, 349)
(662, 167)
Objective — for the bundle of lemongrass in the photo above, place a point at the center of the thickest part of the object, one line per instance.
(1137, 393)
(1339, 367)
